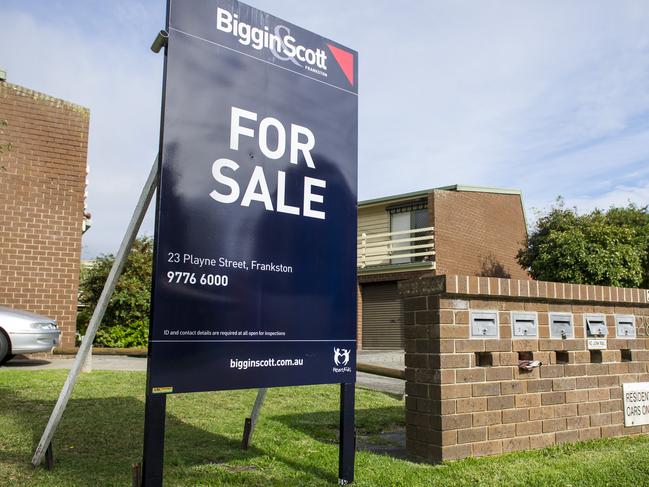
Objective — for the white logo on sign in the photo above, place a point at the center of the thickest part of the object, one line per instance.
(278, 33)
(341, 356)
(281, 43)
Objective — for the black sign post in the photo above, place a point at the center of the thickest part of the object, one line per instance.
(254, 280)
(347, 446)
(154, 437)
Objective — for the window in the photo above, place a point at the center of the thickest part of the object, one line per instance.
(404, 217)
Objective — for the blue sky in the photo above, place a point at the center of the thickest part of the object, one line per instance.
(548, 97)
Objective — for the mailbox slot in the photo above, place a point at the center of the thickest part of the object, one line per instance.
(595, 325)
(561, 326)
(484, 324)
(596, 356)
(625, 326)
(524, 325)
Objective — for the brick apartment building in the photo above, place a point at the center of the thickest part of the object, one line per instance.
(451, 230)
(43, 168)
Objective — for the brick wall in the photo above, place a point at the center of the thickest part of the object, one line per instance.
(478, 233)
(457, 407)
(43, 147)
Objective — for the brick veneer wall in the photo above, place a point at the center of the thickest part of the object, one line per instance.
(456, 409)
(477, 233)
(43, 147)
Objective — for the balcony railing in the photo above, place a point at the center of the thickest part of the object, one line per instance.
(403, 247)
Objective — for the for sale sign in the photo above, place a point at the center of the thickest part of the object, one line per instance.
(255, 263)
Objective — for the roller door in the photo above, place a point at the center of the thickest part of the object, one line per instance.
(382, 317)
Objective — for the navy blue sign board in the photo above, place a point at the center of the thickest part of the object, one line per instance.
(255, 249)
(255, 266)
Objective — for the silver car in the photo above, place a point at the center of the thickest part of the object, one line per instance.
(25, 332)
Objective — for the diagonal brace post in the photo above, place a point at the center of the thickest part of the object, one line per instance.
(249, 427)
(98, 314)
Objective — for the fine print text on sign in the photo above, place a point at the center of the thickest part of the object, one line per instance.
(255, 268)
(636, 403)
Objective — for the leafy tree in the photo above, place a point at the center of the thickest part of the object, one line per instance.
(604, 248)
(126, 322)
(636, 218)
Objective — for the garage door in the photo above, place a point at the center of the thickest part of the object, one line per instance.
(382, 317)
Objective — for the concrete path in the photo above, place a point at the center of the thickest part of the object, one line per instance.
(99, 362)
(120, 362)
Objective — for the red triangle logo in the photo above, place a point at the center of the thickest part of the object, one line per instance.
(345, 60)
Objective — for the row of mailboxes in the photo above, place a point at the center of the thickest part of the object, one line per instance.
(484, 324)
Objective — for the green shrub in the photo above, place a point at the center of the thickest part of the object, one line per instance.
(602, 248)
(120, 336)
(126, 321)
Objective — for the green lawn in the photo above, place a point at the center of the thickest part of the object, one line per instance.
(295, 443)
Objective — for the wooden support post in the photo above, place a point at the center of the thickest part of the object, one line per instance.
(98, 314)
(136, 475)
(49, 457)
(87, 364)
(249, 426)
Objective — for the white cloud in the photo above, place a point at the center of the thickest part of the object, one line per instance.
(120, 83)
(618, 196)
(548, 97)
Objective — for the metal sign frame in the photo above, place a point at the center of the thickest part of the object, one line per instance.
(157, 388)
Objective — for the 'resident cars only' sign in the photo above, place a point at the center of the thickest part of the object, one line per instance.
(255, 263)
(635, 397)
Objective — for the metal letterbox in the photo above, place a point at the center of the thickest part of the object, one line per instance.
(595, 325)
(561, 325)
(484, 324)
(625, 326)
(524, 325)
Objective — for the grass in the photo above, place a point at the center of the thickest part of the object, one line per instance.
(294, 444)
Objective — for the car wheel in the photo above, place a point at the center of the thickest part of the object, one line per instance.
(4, 348)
